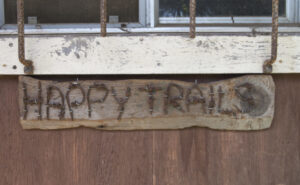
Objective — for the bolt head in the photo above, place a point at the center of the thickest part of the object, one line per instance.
(28, 69)
(267, 68)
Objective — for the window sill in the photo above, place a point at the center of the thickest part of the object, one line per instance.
(224, 20)
(149, 54)
(137, 28)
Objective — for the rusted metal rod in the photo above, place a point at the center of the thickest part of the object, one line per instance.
(267, 68)
(192, 18)
(103, 16)
(28, 67)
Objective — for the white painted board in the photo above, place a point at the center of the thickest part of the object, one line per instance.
(149, 54)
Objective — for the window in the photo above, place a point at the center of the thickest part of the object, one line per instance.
(72, 11)
(119, 12)
(226, 11)
(81, 16)
(2, 21)
(212, 8)
(65, 53)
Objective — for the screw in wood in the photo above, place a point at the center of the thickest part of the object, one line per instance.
(98, 87)
(193, 100)
(212, 103)
(73, 86)
(60, 106)
(173, 100)
(121, 101)
(221, 94)
(35, 101)
(151, 90)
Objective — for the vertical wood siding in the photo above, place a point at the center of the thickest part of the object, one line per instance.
(192, 156)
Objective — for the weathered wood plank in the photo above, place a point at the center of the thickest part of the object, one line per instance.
(200, 156)
(68, 157)
(150, 54)
(244, 103)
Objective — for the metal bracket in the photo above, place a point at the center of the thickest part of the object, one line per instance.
(267, 67)
(28, 64)
(103, 16)
(192, 18)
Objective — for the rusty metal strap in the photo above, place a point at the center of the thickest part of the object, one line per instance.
(267, 67)
(103, 16)
(192, 18)
(28, 66)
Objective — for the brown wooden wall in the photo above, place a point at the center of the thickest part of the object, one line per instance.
(194, 156)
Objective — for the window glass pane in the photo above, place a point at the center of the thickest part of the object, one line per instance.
(72, 11)
(180, 8)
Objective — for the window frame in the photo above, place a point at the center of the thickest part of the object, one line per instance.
(2, 15)
(142, 21)
(48, 54)
(149, 20)
(292, 16)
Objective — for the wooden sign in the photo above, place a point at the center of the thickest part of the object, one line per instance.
(244, 103)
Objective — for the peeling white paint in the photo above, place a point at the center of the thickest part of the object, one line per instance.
(149, 54)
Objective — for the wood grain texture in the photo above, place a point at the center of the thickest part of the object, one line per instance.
(243, 103)
(193, 156)
(150, 54)
(47, 158)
